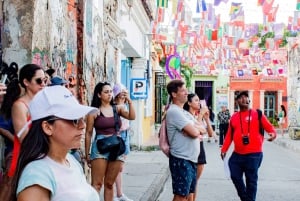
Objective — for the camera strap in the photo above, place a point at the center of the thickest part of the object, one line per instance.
(248, 123)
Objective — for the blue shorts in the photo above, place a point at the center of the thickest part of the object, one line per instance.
(125, 137)
(184, 176)
(95, 153)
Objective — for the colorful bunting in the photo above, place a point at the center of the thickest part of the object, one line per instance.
(272, 14)
(175, 4)
(160, 15)
(298, 5)
(201, 7)
(213, 46)
(278, 30)
(217, 2)
(238, 17)
(235, 7)
(267, 6)
(162, 3)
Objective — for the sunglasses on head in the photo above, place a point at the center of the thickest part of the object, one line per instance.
(41, 80)
(75, 122)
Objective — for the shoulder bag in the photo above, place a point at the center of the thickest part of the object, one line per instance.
(114, 144)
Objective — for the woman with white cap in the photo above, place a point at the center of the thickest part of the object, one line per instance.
(45, 170)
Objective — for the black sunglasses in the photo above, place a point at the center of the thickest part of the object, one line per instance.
(41, 80)
(75, 122)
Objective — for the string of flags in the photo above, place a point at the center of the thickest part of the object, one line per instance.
(213, 45)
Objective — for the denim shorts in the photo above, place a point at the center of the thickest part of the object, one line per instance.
(125, 137)
(95, 153)
(184, 176)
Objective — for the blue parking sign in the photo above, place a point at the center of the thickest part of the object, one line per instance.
(138, 88)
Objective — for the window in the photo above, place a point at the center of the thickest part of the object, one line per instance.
(160, 95)
(269, 104)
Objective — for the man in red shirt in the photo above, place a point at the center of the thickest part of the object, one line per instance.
(247, 155)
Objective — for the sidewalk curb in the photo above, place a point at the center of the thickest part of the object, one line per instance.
(157, 185)
(287, 145)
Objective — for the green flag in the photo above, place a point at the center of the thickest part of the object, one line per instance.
(162, 3)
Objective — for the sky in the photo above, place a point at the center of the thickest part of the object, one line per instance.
(253, 13)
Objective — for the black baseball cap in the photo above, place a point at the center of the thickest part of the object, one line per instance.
(245, 93)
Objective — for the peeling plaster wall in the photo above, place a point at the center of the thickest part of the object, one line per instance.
(55, 37)
(42, 32)
(93, 60)
(51, 33)
(101, 50)
(17, 31)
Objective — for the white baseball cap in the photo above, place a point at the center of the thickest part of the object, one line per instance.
(57, 101)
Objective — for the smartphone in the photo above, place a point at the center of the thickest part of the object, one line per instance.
(3, 79)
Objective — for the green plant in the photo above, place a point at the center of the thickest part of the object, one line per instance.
(187, 73)
(164, 96)
(273, 121)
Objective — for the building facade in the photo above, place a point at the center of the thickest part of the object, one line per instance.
(85, 41)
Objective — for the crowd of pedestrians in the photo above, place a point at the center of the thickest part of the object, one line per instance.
(186, 124)
(43, 125)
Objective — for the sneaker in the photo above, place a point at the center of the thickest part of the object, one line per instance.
(208, 140)
(122, 198)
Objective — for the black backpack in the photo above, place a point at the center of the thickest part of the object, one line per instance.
(261, 129)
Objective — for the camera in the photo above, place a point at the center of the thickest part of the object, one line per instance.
(245, 139)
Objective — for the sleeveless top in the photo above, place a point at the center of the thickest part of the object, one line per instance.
(106, 125)
(17, 144)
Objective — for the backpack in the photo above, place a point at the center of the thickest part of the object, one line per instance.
(261, 129)
(163, 138)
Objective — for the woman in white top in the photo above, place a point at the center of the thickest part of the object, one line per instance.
(201, 117)
(45, 170)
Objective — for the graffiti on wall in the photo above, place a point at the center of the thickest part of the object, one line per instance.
(41, 58)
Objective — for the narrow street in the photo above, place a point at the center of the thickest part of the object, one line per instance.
(279, 177)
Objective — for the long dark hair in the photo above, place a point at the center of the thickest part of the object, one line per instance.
(283, 109)
(96, 101)
(13, 88)
(28, 72)
(186, 104)
(13, 92)
(35, 146)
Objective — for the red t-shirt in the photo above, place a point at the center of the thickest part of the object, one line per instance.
(240, 124)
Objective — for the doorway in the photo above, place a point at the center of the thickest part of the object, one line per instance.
(204, 90)
(269, 104)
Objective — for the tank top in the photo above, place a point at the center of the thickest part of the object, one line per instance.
(17, 144)
(105, 125)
